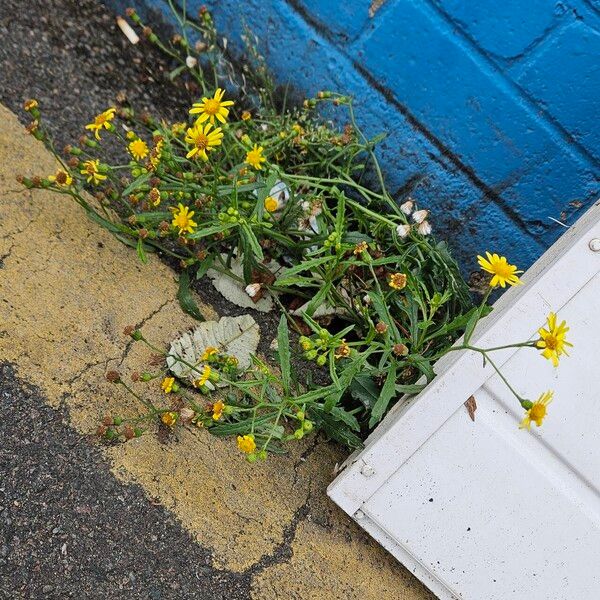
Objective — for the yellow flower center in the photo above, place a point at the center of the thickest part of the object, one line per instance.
(538, 412)
(90, 168)
(551, 342)
(201, 141)
(502, 269)
(211, 106)
(271, 204)
(100, 119)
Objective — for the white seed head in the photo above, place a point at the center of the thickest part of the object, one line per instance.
(403, 230)
(253, 289)
(407, 207)
(191, 62)
(420, 215)
(424, 228)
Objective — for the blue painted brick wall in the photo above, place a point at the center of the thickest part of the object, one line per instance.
(491, 107)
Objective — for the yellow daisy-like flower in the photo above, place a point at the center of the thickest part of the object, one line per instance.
(537, 412)
(502, 272)
(397, 281)
(246, 443)
(217, 409)
(102, 121)
(182, 219)
(271, 204)
(138, 149)
(61, 178)
(208, 353)
(167, 384)
(206, 370)
(203, 140)
(212, 108)
(169, 418)
(255, 158)
(552, 340)
(246, 116)
(91, 169)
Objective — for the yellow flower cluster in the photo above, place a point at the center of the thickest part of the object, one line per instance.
(552, 340)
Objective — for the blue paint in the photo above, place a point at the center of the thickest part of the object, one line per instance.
(491, 107)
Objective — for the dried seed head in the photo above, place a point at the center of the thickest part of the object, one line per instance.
(424, 228)
(400, 350)
(420, 215)
(113, 376)
(407, 207)
(381, 327)
(402, 230)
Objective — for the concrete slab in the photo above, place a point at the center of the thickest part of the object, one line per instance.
(67, 290)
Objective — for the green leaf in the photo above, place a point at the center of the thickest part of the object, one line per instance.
(339, 414)
(365, 390)
(140, 251)
(211, 231)
(135, 184)
(388, 391)
(252, 241)
(283, 349)
(177, 71)
(471, 324)
(152, 217)
(303, 266)
(414, 388)
(185, 297)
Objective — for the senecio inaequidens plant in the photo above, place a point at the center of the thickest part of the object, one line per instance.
(250, 180)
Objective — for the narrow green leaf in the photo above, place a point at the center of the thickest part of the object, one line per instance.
(471, 324)
(185, 297)
(140, 251)
(364, 389)
(388, 391)
(210, 231)
(283, 349)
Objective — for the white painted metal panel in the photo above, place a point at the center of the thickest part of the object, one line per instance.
(483, 510)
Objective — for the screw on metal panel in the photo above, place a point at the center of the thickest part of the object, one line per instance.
(359, 514)
(595, 244)
(367, 470)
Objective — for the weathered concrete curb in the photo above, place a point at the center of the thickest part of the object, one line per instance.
(67, 290)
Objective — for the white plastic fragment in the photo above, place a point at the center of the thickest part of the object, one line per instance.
(127, 30)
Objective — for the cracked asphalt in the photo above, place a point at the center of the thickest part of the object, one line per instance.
(69, 529)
